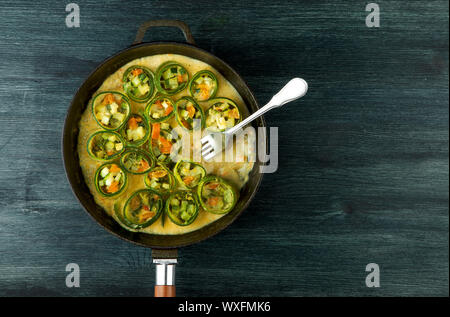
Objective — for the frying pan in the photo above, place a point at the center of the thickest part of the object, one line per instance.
(164, 247)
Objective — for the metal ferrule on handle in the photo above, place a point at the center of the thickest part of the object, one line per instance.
(165, 262)
(165, 271)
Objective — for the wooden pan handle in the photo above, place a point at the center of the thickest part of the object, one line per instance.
(165, 291)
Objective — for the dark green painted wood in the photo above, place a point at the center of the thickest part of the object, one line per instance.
(363, 174)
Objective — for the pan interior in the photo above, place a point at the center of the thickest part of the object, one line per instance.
(70, 136)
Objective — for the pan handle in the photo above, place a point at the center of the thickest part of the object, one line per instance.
(164, 23)
(165, 261)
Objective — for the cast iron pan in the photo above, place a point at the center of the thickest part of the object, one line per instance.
(158, 243)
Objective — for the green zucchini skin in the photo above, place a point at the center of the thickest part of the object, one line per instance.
(149, 105)
(151, 77)
(196, 106)
(182, 194)
(179, 177)
(192, 84)
(93, 106)
(146, 125)
(222, 182)
(96, 180)
(111, 157)
(118, 211)
(208, 113)
(128, 221)
(119, 215)
(159, 74)
(138, 151)
(172, 180)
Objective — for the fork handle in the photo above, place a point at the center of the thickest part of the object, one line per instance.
(294, 89)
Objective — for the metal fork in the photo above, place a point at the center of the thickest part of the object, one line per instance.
(293, 90)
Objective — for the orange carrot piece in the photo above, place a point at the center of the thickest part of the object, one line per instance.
(213, 201)
(156, 130)
(114, 187)
(191, 111)
(158, 103)
(205, 93)
(165, 145)
(164, 141)
(132, 123)
(143, 166)
(109, 99)
(188, 179)
(137, 71)
(213, 185)
(165, 148)
(114, 168)
(168, 110)
(180, 79)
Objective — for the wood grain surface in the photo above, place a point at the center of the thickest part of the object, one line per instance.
(363, 158)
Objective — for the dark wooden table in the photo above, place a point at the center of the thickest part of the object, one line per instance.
(363, 173)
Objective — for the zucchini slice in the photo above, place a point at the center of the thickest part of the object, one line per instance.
(136, 161)
(105, 145)
(142, 208)
(136, 131)
(203, 86)
(188, 173)
(159, 109)
(138, 83)
(182, 208)
(111, 110)
(171, 78)
(118, 212)
(216, 195)
(110, 180)
(222, 115)
(186, 110)
(160, 179)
